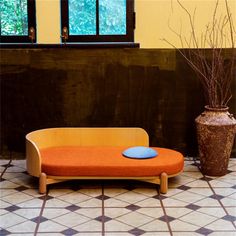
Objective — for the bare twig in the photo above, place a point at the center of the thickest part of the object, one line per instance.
(213, 67)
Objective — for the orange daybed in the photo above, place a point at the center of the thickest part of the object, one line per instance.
(59, 154)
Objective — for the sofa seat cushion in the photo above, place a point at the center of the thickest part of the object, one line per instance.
(107, 162)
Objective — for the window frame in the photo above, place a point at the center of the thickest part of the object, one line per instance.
(130, 26)
(31, 13)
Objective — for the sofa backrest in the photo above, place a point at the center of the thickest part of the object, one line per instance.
(75, 136)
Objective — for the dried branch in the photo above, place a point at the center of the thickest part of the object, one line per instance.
(215, 69)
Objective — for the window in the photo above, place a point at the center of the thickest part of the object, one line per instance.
(97, 20)
(17, 21)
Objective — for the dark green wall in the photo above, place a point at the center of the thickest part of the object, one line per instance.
(55, 87)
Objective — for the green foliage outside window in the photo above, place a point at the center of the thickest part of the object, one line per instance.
(111, 13)
(13, 16)
(82, 17)
(112, 17)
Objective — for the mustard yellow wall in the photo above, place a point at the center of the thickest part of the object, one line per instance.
(48, 21)
(152, 17)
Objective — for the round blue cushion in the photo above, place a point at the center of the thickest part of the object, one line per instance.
(140, 152)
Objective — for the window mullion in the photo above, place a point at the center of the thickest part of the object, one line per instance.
(97, 17)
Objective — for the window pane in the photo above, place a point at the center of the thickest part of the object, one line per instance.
(112, 17)
(82, 17)
(14, 19)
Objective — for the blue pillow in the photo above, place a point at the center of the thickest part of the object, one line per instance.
(140, 152)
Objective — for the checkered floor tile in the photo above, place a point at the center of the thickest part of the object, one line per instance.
(194, 205)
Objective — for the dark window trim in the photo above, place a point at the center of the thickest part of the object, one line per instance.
(71, 45)
(130, 25)
(31, 23)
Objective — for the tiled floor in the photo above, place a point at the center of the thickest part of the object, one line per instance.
(194, 205)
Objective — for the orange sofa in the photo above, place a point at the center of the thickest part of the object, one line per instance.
(59, 154)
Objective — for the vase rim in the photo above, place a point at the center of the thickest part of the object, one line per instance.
(218, 108)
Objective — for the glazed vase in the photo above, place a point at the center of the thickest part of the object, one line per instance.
(216, 129)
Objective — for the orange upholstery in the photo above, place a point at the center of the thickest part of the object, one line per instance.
(107, 161)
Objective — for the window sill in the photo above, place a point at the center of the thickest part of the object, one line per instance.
(72, 45)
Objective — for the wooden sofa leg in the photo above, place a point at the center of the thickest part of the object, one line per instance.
(164, 183)
(42, 183)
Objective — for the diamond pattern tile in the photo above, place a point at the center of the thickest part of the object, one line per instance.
(51, 213)
(103, 218)
(112, 202)
(155, 226)
(154, 212)
(39, 219)
(183, 187)
(202, 191)
(46, 197)
(71, 219)
(21, 188)
(28, 213)
(4, 232)
(17, 198)
(228, 202)
(188, 197)
(206, 178)
(92, 227)
(160, 197)
(112, 192)
(204, 231)
(216, 196)
(136, 231)
(69, 232)
(74, 197)
(133, 207)
(131, 197)
(194, 205)
(4, 204)
(167, 218)
(213, 211)
(33, 203)
(198, 218)
(91, 213)
(8, 185)
(12, 208)
(221, 183)
(10, 219)
(150, 192)
(102, 197)
(117, 226)
(93, 202)
(72, 208)
(231, 210)
(57, 203)
(221, 225)
(149, 202)
(51, 226)
(177, 212)
(115, 212)
(173, 202)
(229, 218)
(206, 202)
(179, 225)
(25, 227)
(198, 184)
(134, 219)
(93, 192)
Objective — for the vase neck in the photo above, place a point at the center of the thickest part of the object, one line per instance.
(217, 109)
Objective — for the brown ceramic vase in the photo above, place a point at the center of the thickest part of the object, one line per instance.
(216, 129)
